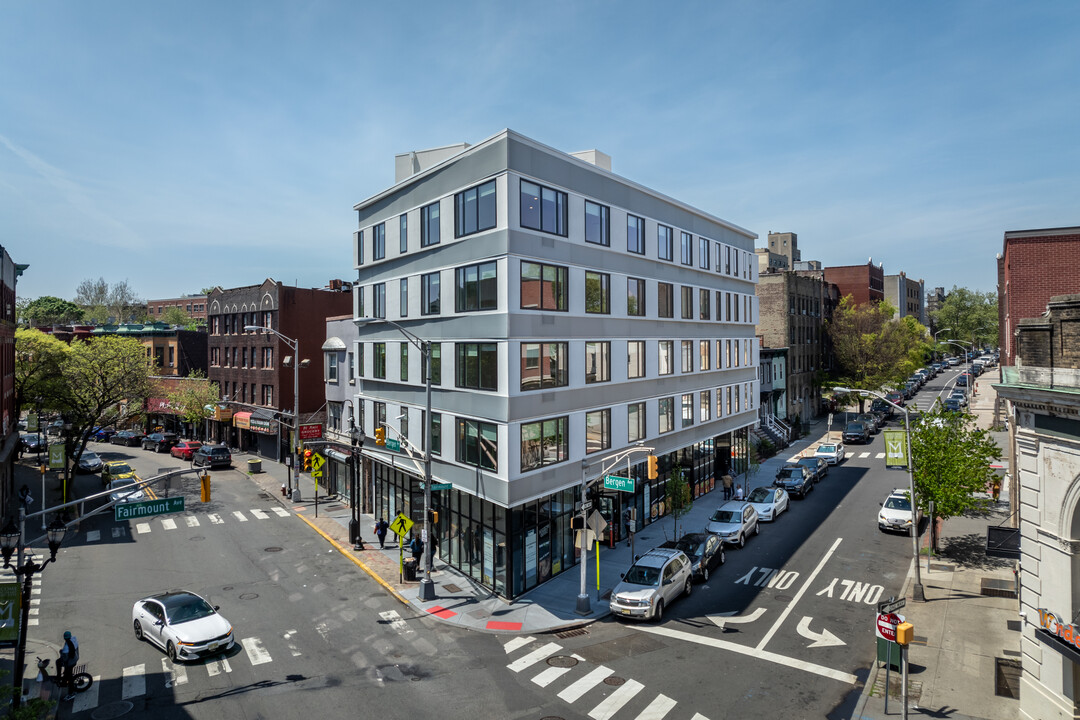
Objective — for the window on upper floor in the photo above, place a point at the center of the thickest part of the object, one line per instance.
(687, 355)
(378, 241)
(666, 414)
(429, 225)
(635, 297)
(687, 248)
(359, 247)
(665, 357)
(543, 287)
(704, 361)
(403, 300)
(404, 364)
(378, 300)
(665, 300)
(474, 209)
(403, 234)
(703, 253)
(597, 430)
(703, 304)
(477, 366)
(478, 444)
(635, 234)
(430, 294)
(597, 293)
(597, 224)
(597, 362)
(635, 359)
(545, 442)
(435, 350)
(706, 406)
(543, 208)
(688, 409)
(476, 287)
(687, 293)
(664, 242)
(331, 367)
(378, 360)
(543, 365)
(635, 422)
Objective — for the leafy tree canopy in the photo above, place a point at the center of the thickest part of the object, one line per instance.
(49, 310)
(110, 303)
(38, 357)
(873, 349)
(969, 316)
(678, 498)
(191, 396)
(174, 315)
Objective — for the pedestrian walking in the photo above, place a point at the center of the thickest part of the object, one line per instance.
(416, 547)
(728, 481)
(380, 532)
(628, 524)
(65, 666)
(25, 497)
(738, 492)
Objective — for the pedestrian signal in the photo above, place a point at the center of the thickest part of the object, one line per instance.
(380, 436)
(652, 467)
(433, 516)
(577, 522)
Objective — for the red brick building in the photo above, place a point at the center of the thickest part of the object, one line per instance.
(193, 305)
(864, 283)
(1034, 266)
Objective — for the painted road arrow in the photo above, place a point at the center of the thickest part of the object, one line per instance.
(721, 620)
(822, 639)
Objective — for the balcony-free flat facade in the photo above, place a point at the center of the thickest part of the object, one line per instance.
(572, 314)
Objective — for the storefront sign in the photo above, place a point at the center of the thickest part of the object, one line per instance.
(242, 420)
(312, 431)
(160, 405)
(263, 425)
(1059, 634)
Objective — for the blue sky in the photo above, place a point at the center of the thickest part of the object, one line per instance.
(184, 145)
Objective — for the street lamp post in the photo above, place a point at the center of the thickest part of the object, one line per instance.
(427, 587)
(11, 539)
(294, 345)
(917, 592)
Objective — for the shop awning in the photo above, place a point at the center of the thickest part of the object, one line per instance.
(242, 420)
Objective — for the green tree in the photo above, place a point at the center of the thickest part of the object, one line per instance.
(38, 357)
(192, 396)
(49, 310)
(969, 315)
(175, 315)
(678, 497)
(33, 709)
(952, 462)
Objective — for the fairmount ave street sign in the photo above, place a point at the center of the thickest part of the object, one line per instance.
(147, 508)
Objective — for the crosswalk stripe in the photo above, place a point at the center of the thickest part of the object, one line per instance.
(281, 512)
(256, 653)
(259, 514)
(32, 621)
(879, 456)
(585, 684)
(218, 666)
(93, 535)
(864, 455)
(215, 518)
(552, 674)
(396, 621)
(191, 521)
(143, 528)
(34, 611)
(699, 716)
(292, 646)
(168, 524)
(87, 700)
(177, 673)
(240, 516)
(657, 709)
(134, 682)
(515, 643)
(534, 657)
(614, 702)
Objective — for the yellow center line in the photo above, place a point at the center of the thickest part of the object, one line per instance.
(149, 491)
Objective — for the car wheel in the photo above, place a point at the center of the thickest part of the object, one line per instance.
(689, 587)
(170, 650)
(757, 528)
(723, 558)
(742, 541)
(138, 631)
(705, 574)
(658, 613)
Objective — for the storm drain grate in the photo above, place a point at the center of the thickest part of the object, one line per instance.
(450, 587)
(1007, 678)
(562, 661)
(614, 681)
(998, 587)
(575, 632)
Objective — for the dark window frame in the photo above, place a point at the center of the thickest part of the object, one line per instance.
(470, 219)
(430, 229)
(604, 219)
(635, 234)
(604, 280)
(561, 207)
(560, 285)
(478, 300)
(554, 378)
(559, 442)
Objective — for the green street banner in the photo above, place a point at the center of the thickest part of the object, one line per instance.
(57, 456)
(10, 605)
(32, 422)
(895, 448)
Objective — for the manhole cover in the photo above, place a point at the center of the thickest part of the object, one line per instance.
(249, 596)
(562, 661)
(112, 710)
(197, 538)
(272, 548)
(614, 680)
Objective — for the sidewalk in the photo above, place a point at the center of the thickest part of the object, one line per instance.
(459, 600)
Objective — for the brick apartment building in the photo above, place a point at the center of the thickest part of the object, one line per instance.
(9, 439)
(193, 305)
(1033, 266)
(864, 283)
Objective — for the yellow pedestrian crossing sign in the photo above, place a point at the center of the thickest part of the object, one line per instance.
(401, 525)
(317, 461)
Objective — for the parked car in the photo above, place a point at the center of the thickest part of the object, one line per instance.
(89, 462)
(733, 521)
(832, 453)
(182, 624)
(856, 432)
(959, 395)
(115, 469)
(871, 421)
(962, 379)
(125, 490)
(655, 580)
(705, 551)
(33, 442)
(102, 434)
(160, 442)
(896, 397)
(795, 479)
(212, 455)
(954, 361)
(130, 438)
(895, 513)
(55, 427)
(185, 449)
(951, 404)
(816, 466)
(880, 406)
(769, 502)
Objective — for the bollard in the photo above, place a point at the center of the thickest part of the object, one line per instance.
(284, 493)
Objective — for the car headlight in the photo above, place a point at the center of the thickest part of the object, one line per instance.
(882, 518)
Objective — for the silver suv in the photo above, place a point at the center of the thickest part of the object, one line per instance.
(652, 582)
(734, 520)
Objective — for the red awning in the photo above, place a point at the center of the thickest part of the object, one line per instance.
(242, 420)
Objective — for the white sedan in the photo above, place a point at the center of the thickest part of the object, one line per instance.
(769, 501)
(832, 453)
(182, 624)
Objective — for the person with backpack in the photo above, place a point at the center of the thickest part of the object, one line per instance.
(381, 526)
(416, 547)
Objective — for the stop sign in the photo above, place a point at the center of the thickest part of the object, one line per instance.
(886, 626)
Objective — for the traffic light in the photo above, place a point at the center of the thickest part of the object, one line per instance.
(433, 516)
(307, 459)
(380, 435)
(204, 492)
(652, 467)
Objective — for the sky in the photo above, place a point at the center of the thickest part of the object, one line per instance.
(183, 145)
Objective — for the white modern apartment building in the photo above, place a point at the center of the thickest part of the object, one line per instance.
(572, 314)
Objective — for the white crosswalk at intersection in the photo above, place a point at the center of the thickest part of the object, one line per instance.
(190, 521)
(864, 454)
(134, 683)
(879, 456)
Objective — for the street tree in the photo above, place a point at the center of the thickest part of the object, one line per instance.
(193, 397)
(872, 348)
(970, 315)
(38, 357)
(91, 293)
(49, 310)
(174, 315)
(678, 497)
(952, 463)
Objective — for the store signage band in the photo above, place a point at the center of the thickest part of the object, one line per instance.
(311, 431)
(1059, 634)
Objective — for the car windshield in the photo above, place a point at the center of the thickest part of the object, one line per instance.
(896, 502)
(123, 483)
(692, 545)
(809, 462)
(827, 448)
(119, 469)
(727, 516)
(855, 427)
(184, 608)
(760, 495)
(639, 575)
(89, 455)
(791, 473)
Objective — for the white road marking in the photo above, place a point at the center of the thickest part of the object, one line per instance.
(534, 657)
(514, 643)
(821, 639)
(119, 532)
(721, 620)
(143, 528)
(32, 621)
(657, 709)
(177, 673)
(191, 521)
(699, 716)
(396, 621)
(214, 518)
(754, 652)
(34, 610)
(585, 684)
(87, 700)
(552, 674)
(805, 586)
(864, 455)
(35, 590)
(134, 683)
(240, 516)
(259, 514)
(168, 524)
(93, 535)
(256, 653)
(614, 702)
(218, 666)
(292, 646)
(281, 512)
(879, 456)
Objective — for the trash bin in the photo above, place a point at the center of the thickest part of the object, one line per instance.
(410, 569)
(255, 465)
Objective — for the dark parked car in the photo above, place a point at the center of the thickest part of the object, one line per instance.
(817, 467)
(33, 442)
(102, 434)
(953, 405)
(89, 462)
(871, 421)
(160, 442)
(880, 406)
(212, 455)
(856, 432)
(705, 550)
(131, 438)
(962, 379)
(795, 479)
